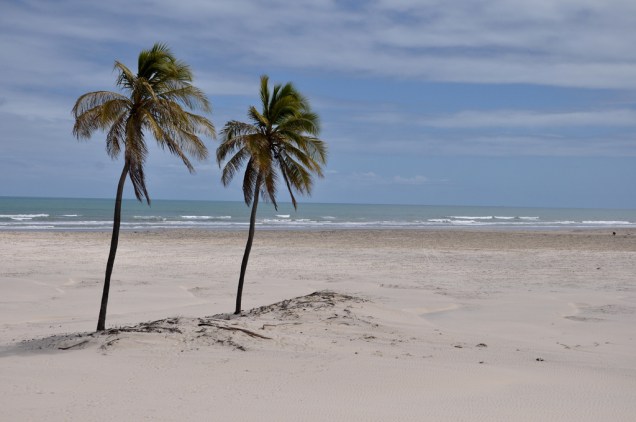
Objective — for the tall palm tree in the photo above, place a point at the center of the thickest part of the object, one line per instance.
(279, 142)
(155, 100)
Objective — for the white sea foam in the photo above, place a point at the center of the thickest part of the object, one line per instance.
(71, 215)
(149, 217)
(273, 220)
(282, 215)
(206, 217)
(607, 223)
(463, 222)
(81, 223)
(22, 217)
(491, 217)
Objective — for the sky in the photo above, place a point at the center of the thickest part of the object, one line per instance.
(469, 102)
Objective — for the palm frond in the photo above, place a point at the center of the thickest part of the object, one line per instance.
(249, 182)
(281, 142)
(283, 171)
(305, 122)
(138, 179)
(258, 118)
(116, 136)
(235, 136)
(303, 159)
(126, 78)
(136, 148)
(269, 187)
(90, 100)
(233, 166)
(264, 92)
(299, 176)
(188, 95)
(235, 129)
(311, 151)
(97, 112)
(173, 125)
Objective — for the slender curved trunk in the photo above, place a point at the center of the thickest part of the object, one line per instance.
(101, 321)
(248, 246)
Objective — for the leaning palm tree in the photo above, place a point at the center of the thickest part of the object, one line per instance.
(155, 100)
(279, 142)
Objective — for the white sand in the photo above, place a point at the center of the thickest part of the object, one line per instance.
(458, 325)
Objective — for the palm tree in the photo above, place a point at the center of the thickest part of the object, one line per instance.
(156, 100)
(280, 141)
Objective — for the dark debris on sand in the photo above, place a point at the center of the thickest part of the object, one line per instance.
(192, 333)
(291, 308)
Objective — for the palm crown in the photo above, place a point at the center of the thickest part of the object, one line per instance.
(155, 101)
(278, 142)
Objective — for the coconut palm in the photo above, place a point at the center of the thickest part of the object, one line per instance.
(278, 142)
(156, 101)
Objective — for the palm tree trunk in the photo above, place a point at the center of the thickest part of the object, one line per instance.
(248, 246)
(101, 321)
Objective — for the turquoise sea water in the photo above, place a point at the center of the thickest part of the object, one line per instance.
(97, 214)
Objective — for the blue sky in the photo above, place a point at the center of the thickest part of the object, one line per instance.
(467, 102)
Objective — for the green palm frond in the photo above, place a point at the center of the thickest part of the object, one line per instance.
(264, 92)
(256, 117)
(236, 135)
(311, 152)
(138, 180)
(284, 172)
(158, 64)
(306, 123)
(235, 129)
(294, 159)
(158, 100)
(234, 165)
(269, 188)
(249, 182)
(281, 142)
(187, 95)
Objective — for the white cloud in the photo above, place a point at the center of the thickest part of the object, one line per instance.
(497, 144)
(504, 118)
(415, 180)
(371, 177)
(525, 118)
(368, 176)
(584, 43)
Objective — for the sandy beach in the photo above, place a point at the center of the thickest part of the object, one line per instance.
(407, 325)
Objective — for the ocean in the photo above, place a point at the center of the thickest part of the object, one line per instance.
(97, 214)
